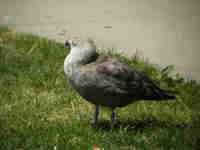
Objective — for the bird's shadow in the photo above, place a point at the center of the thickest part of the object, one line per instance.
(134, 125)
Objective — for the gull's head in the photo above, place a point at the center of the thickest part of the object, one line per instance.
(73, 43)
(76, 42)
(82, 51)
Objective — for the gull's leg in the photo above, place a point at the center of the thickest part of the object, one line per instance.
(112, 117)
(96, 113)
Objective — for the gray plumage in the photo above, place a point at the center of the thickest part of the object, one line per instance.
(107, 81)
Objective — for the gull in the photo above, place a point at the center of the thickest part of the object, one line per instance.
(107, 81)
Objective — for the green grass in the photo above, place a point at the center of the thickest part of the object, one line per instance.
(39, 110)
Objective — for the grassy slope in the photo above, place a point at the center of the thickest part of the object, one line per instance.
(39, 109)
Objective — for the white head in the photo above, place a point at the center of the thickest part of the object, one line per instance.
(82, 51)
(73, 42)
(77, 42)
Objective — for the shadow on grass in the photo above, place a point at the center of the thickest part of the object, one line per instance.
(189, 133)
(139, 125)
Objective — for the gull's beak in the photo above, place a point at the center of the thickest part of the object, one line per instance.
(67, 43)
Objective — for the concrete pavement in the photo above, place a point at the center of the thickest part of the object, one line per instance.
(167, 32)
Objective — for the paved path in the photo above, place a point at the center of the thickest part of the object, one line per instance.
(166, 32)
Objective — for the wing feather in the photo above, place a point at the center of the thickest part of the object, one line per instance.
(111, 82)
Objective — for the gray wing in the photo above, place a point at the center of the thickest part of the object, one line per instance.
(120, 78)
(110, 82)
(116, 77)
(124, 79)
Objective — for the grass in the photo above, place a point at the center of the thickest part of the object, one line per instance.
(39, 110)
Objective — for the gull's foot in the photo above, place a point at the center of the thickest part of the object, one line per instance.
(94, 125)
(112, 125)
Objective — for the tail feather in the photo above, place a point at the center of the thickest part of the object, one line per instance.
(161, 94)
(165, 94)
(171, 92)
